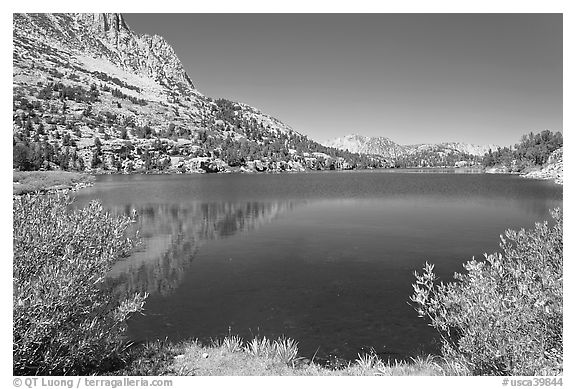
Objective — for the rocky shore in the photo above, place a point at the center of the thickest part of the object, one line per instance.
(552, 170)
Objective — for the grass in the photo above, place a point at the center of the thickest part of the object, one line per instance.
(286, 350)
(44, 181)
(232, 356)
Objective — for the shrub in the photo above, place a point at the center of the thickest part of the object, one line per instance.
(151, 358)
(504, 315)
(65, 321)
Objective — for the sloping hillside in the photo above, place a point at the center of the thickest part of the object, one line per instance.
(90, 94)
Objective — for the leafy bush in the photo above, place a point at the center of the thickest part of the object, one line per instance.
(504, 315)
(65, 321)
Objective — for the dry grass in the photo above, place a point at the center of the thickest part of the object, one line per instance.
(42, 181)
(258, 358)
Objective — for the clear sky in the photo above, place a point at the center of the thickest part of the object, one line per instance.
(414, 78)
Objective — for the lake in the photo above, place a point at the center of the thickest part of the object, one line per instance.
(326, 258)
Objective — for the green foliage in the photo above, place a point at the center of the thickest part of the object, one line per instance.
(533, 149)
(124, 133)
(504, 315)
(537, 148)
(21, 156)
(227, 133)
(56, 73)
(33, 155)
(151, 359)
(65, 321)
(67, 92)
(117, 93)
(434, 157)
(105, 77)
(143, 132)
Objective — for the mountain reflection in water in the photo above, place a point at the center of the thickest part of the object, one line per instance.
(170, 235)
(332, 265)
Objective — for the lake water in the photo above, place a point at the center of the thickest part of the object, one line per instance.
(326, 258)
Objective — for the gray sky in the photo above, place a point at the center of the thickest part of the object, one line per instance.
(414, 78)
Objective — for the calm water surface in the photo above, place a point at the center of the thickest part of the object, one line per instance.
(326, 258)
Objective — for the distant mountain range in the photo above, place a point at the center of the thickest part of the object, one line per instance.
(387, 148)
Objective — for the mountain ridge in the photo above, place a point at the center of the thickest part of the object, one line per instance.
(143, 54)
(380, 145)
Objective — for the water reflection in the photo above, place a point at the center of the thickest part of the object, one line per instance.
(333, 265)
(172, 233)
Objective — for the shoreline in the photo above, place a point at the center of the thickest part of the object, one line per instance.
(46, 182)
(87, 179)
(533, 175)
(234, 356)
(99, 172)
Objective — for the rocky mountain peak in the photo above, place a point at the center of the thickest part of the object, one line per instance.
(107, 35)
(162, 62)
(356, 143)
(105, 23)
